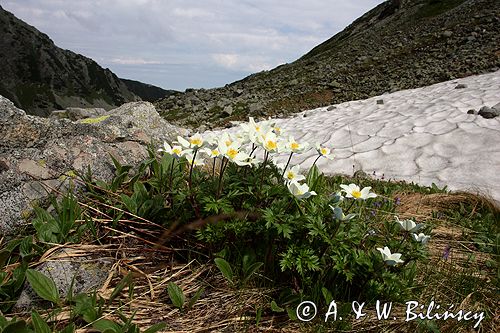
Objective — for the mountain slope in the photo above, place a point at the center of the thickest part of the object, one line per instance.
(399, 44)
(147, 92)
(39, 77)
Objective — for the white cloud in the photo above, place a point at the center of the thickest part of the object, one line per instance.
(134, 61)
(239, 62)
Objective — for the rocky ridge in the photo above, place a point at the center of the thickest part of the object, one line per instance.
(39, 77)
(400, 44)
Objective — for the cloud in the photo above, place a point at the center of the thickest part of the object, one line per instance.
(135, 61)
(245, 63)
(220, 38)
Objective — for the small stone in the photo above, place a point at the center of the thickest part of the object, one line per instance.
(380, 101)
(447, 33)
(471, 112)
(227, 111)
(330, 108)
(488, 113)
(460, 86)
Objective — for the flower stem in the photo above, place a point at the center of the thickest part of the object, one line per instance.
(213, 167)
(222, 168)
(253, 149)
(287, 163)
(348, 209)
(171, 180)
(191, 169)
(316, 160)
(263, 169)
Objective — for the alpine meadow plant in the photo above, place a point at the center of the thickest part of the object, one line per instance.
(288, 221)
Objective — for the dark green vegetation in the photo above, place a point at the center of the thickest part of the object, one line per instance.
(240, 252)
(400, 44)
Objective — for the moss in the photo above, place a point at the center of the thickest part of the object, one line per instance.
(94, 120)
(435, 7)
(25, 214)
(71, 173)
(42, 163)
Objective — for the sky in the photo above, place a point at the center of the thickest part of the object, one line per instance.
(179, 44)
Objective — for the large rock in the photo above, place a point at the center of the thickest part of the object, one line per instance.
(80, 270)
(40, 154)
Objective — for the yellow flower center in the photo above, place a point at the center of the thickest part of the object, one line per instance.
(257, 128)
(176, 151)
(215, 152)
(271, 145)
(228, 142)
(356, 194)
(324, 151)
(290, 175)
(294, 145)
(195, 141)
(277, 130)
(232, 153)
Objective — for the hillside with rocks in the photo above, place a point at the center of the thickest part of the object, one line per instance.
(400, 44)
(40, 77)
(147, 92)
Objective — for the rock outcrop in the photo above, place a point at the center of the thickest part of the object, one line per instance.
(40, 154)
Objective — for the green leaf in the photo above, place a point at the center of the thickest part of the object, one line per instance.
(16, 327)
(276, 308)
(176, 295)
(312, 177)
(86, 307)
(39, 324)
(4, 256)
(251, 270)
(130, 203)
(119, 287)
(291, 313)
(225, 268)
(327, 295)
(43, 286)
(156, 327)
(258, 316)
(103, 325)
(195, 297)
(69, 329)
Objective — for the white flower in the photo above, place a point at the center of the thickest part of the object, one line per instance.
(212, 153)
(252, 160)
(408, 225)
(300, 191)
(233, 153)
(353, 191)
(196, 162)
(291, 146)
(390, 259)
(291, 174)
(323, 151)
(421, 238)
(339, 214)
(195, 141)
(254, 131)
(175, 151)
(269, 142)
